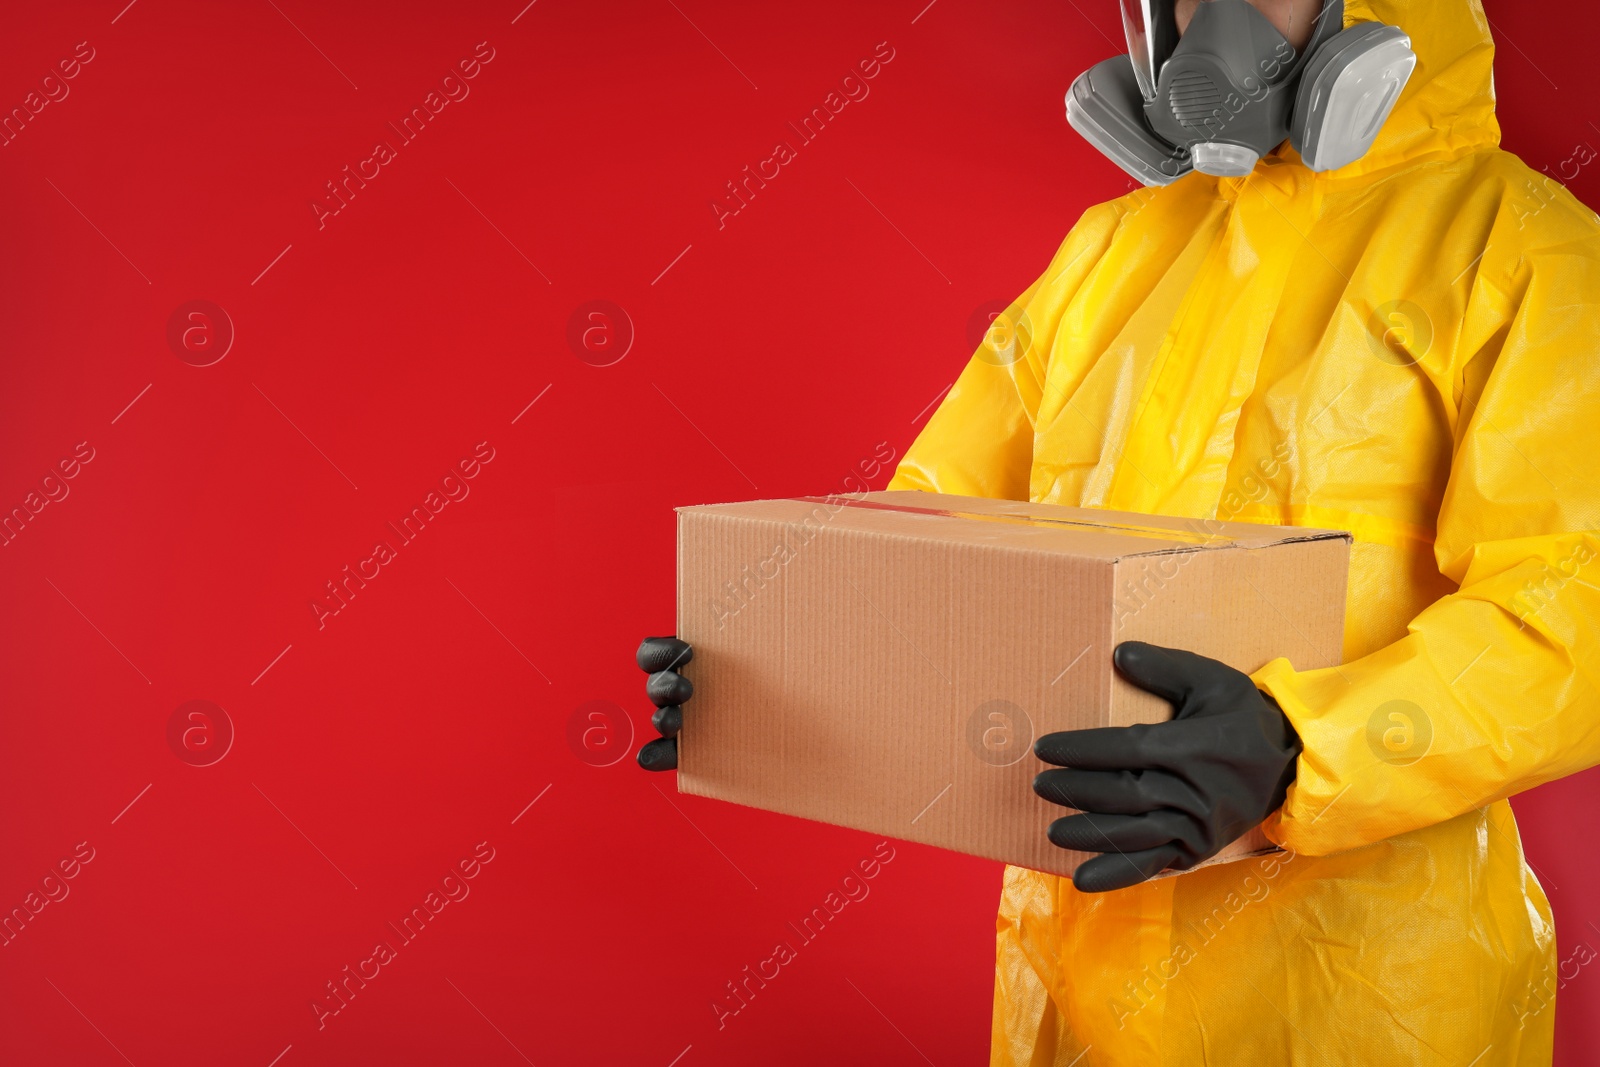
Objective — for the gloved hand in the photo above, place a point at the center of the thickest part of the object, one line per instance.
(1168, 794)
(660, 657)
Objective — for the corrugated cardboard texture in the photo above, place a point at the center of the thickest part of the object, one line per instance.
(885, 662)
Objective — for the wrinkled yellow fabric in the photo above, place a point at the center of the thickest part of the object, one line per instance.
(1405, 348)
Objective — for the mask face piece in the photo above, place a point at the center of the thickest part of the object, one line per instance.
(1232, 88)
(1227, 89)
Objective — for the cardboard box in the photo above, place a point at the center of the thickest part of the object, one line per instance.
(885, 661)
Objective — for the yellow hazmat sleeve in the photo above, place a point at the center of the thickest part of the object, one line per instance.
(1493, 689)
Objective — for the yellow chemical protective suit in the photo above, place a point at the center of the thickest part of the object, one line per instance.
(1405, 348)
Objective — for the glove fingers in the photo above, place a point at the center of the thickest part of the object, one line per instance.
(1103, 748)
(1169, 673)
(1119, 871)
(1115, 792)
(1167, 746)
(663, 654)
(661, 657)
(668, 687)
(660, 754)
(1093, 832)
(668, 720)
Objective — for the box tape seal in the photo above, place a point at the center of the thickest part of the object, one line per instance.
(1187, 537)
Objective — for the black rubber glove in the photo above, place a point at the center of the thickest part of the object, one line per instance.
(1168, 794)
(661, 657)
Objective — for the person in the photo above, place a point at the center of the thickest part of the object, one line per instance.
(1402, 346)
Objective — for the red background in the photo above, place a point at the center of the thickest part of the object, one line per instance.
(771, 356)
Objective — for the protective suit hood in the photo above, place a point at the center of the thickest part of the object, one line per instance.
(1448, 105)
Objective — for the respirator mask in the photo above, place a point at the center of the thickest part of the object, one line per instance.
(1232, 88)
